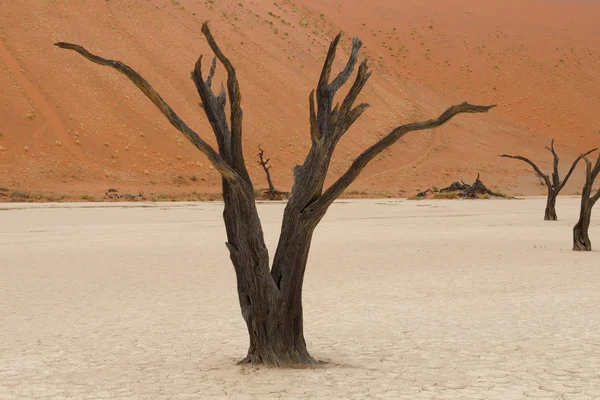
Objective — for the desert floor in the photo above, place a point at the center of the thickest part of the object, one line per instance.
(404, 299)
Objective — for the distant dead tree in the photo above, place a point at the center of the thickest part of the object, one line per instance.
(271, 193)
(462, 190)
(581, 239)
(554, 185)
(271, 297)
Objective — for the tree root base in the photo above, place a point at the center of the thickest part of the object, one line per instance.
(581, 247)
(295, 361)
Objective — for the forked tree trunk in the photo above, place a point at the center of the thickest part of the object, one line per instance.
(273, 311)
(550, 214)
(271, 298)
(277, 330)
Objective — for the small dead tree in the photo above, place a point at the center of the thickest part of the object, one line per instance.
(581, 239)
(271, 193)
(271, 297)
(554, 185)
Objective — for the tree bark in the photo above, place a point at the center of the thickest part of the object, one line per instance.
(581, 239)
(550, 214)
(277, 339)
(271, 298)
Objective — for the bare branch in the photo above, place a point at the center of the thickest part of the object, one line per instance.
(589, 152)
(326, 91)
(214, 108)
(588, 168)
(326, 71)
(211, 74)
(551, 149)
(222, 97)
(359, 83)
(545, 177)
(355, 114)
(555, 175)
(327, 198)
(226, 171)
(235, 100)
(564, 182)
(314, 129)
(596, 197)
(343, 76)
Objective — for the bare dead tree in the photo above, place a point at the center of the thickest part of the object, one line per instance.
(581, 239)
(464, 190)
(271, 297)
(554, 185)
(271, 193)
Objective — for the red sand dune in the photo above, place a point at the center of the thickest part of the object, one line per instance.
(72, 127)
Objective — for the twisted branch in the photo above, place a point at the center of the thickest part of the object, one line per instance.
(538, 171)
(220, 165)
(325, 116)
(235, 101)
(573, 167)
(335, 190)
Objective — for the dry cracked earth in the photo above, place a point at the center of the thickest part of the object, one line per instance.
(403, 299)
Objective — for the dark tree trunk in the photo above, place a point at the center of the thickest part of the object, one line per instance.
(275, 328)
(271, 298)
(275, 321)
(581, 239)
(550, 214)
(276, 331)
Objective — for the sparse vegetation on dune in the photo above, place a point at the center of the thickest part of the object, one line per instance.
(19, 195)
(421, 54)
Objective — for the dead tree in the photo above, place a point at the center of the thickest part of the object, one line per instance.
(581, 239)
(271, 193)
(554, 185)
(471, 191)
(271, 297)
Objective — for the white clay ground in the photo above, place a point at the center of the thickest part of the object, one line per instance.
(404, 299)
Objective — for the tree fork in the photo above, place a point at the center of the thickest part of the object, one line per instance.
(554, 185)
(271, 298)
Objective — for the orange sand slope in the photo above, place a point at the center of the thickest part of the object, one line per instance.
(70, 126)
